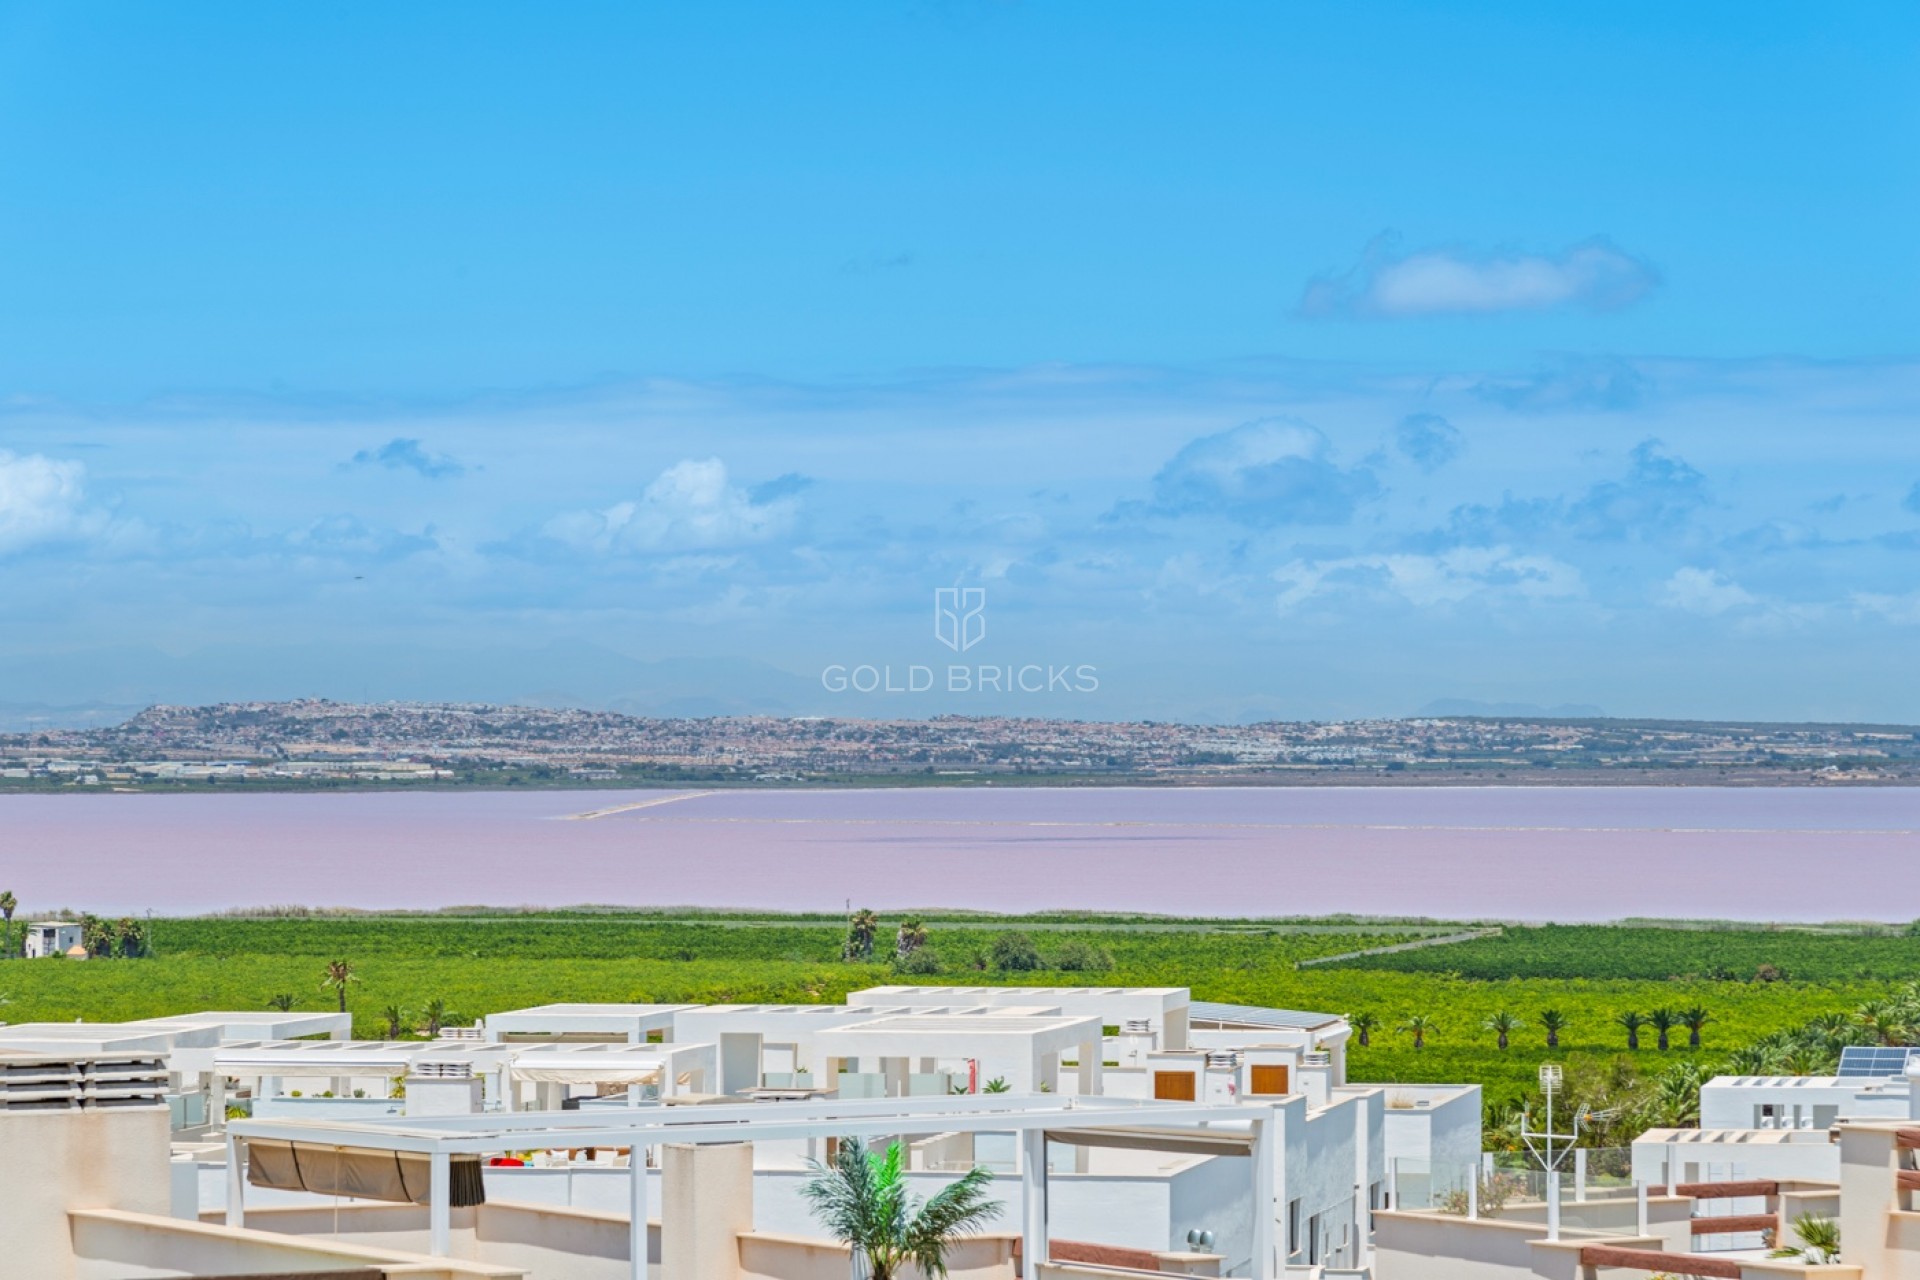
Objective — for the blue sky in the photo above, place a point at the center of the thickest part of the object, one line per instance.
(1277, 360)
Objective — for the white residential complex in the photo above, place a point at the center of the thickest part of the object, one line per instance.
(1130, 1130)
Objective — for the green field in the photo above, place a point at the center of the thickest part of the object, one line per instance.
(480, 964)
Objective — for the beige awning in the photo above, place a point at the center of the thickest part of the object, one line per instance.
(1198, 1142)
(401, 1177)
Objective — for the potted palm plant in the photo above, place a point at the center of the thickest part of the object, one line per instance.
(863, 1200)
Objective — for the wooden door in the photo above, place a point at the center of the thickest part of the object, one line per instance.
(1173, 1086)
(1269, 1079)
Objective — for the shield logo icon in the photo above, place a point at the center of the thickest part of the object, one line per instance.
(960, 617)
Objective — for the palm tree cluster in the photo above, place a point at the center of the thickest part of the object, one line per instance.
(1814, 1048)
(1505, 1024)
(862, 1199)
(434, 1016)
(123, 939)
(1663, 1022)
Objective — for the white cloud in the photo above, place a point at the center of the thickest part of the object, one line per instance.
(1426, 581)
(688, 506)
(1595, 275)
(1705, 591)
(43, 500)
(1267, 472)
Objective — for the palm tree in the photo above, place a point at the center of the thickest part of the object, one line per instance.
(8, 905)
(1363, 1025)
(862, 1200)
(1693, 1018)
(912, 937)
(96, 936)
(284, 1003)
(1891, 1021)
(1663, 1020)
(337, 975)
(1503, 1024)
(129, 937)
(1418, 1026)
(1819, 1240)
(1553, 1022)
(862, 927)
(395, 1016)
(1632, 1022)
(436, 1015)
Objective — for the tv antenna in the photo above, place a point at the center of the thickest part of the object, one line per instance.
(1540, 1143)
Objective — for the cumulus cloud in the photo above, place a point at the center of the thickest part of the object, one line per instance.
(1428, 440)
(1707, 592)
(1594, 275)
(1659, 493)
(1449, 577)
(407, 454)
(1608, 384)
(689, 506)
(1657, 498)
(43, 500)
(1272, 471)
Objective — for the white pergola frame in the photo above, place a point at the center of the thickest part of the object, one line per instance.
(642, 1128)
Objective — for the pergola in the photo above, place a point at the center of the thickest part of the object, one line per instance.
(341, 1060)
(629, 1022)
(608, 1066)
(1217, 1130)
(1024, 1048)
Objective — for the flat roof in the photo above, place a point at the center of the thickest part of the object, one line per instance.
(1253, 1015)
(341, 1057)
(1849, 1083)
(983, 989)
(1735, 1137)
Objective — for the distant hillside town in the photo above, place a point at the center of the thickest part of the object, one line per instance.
(318, 742)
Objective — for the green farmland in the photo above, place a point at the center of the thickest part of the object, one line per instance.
(1754, 983)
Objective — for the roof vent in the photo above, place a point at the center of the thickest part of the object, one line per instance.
(443, 1070)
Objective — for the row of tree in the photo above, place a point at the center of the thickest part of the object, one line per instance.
(1008, 952)
(1506, 1024)
(338, 975)
(863, 933)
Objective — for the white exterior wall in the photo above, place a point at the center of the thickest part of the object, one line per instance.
(1445, 1133)
(1724, 1155)
(1324, 1150)
(1798, 1102)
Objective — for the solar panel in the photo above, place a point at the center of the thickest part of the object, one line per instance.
(1875, 1061)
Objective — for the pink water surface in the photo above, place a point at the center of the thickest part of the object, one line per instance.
(1520, 853)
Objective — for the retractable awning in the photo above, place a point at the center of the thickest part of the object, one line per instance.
(399, 1177)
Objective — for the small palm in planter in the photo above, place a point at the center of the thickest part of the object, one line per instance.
(862, 1200)
(1819, 1240)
